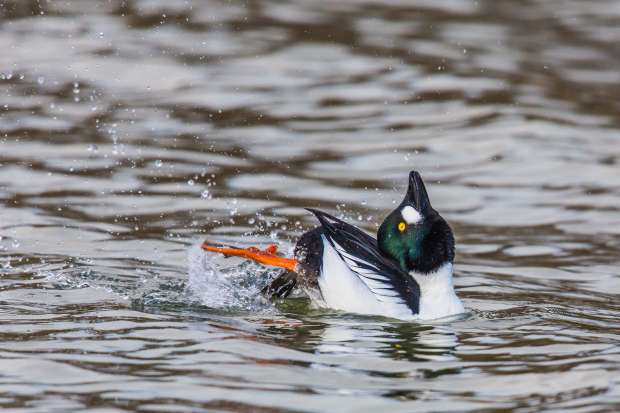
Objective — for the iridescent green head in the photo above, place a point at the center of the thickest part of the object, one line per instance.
(414, 234)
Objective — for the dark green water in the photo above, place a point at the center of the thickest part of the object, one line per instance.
(131, 130)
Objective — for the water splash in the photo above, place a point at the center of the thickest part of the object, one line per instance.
(232, 287)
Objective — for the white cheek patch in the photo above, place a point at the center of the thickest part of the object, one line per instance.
(410, 215)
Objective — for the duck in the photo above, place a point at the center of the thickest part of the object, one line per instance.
(406, 272)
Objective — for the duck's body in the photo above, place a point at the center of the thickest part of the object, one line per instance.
(406, 273)
(341, 267)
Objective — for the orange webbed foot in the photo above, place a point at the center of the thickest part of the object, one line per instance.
(267, 256)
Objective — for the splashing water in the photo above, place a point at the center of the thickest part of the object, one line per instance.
(233, 287)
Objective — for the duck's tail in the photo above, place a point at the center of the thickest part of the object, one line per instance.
(282, 285)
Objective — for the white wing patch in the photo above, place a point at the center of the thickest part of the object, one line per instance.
(410, 215)
(352, 284)
(369, 276)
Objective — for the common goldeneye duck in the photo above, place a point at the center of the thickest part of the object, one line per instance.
(405, 273)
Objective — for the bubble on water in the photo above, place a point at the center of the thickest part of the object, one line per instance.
(158, 163)
(191, 182)
(251, 221)
(40, 80)
(205, 194)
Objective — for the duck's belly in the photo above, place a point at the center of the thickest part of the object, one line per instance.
(342, 289)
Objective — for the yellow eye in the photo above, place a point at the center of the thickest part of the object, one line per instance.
(402, 226)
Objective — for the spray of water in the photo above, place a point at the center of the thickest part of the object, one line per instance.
(217, 282)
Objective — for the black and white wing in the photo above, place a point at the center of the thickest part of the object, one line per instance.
(360, 252)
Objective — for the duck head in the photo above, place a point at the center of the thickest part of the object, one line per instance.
(414, 234)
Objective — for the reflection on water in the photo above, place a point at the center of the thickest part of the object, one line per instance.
(131, 129)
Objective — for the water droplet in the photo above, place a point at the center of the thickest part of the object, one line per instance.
(251, 221)
(158, 163)
(205, 194)
(191, 182)
(40, 80)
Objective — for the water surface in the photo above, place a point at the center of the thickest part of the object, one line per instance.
(130, 130)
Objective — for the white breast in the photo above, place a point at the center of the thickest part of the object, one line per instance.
(438, 298)
(342, 289)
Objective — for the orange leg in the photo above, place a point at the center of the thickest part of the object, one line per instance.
(267, 256)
